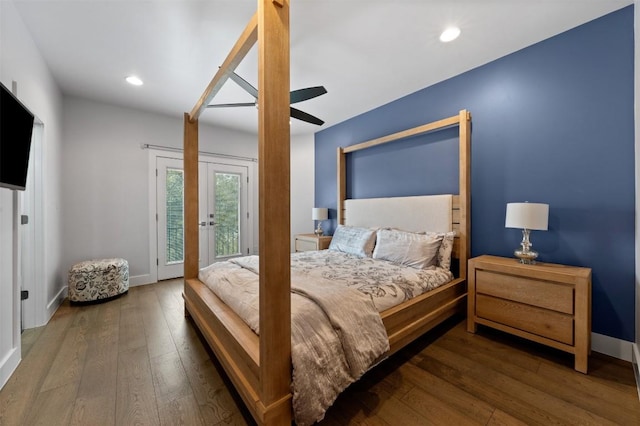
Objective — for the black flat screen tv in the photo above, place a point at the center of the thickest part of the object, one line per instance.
(16, 127)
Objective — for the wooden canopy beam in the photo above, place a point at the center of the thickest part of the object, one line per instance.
(436, 125)
(246, 41)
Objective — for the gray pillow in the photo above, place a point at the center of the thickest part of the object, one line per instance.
(444, 253)
(353, 240)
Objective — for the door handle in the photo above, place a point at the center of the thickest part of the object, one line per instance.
(203, 224)
(212, 223)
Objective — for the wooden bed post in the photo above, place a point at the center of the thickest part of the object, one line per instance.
(274, 216)
(342, 184)
(464, 158)
(191, 233)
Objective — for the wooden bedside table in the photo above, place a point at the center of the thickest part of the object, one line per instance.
(308, 242)
(544, 302)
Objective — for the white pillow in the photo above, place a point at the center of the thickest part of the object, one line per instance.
(407, 248)
(353, 240)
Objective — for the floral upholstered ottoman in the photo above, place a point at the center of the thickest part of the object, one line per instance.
(94, 280)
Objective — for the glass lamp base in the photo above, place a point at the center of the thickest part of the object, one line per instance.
(524, 253)
(527, 257)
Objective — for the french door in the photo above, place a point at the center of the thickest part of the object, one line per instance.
(223, 214)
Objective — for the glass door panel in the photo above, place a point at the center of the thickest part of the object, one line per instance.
(175, 216)
(227, 214)
(229, 210)
(170, 217)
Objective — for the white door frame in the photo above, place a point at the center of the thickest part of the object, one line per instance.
(31, 247)
(177, 154)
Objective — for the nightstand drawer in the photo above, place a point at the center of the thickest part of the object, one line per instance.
(543, 294)
(542, 322)
(303, 245)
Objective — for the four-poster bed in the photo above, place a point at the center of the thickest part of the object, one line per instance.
(260, 365)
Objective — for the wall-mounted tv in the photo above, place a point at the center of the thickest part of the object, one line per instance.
(16, 127)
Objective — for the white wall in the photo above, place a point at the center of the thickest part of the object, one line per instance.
(302, 184)
(9, 344)
(105, 178)
(21, 61)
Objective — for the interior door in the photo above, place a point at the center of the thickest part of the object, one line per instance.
(222, 211)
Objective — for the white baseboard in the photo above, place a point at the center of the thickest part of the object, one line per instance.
(611, 346)
(57, 300)
(141, 280)
(55, 303)
(8, 365)
(636, 366)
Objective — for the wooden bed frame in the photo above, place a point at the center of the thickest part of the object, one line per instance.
(413, 318)
(260, 366)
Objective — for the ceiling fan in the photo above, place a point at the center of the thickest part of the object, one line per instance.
(295, 96)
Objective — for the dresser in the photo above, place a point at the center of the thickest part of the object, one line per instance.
(308, 242)
(544, 302)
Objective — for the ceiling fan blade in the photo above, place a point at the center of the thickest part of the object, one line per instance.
(239, 104)
(301, 115)
(308, 93)
(244, 84)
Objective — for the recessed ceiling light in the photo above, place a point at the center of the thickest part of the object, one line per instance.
(449, 34)
(132, 79)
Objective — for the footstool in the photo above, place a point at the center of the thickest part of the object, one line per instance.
(101, 279)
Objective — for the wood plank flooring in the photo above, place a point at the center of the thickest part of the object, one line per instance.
(137, 360)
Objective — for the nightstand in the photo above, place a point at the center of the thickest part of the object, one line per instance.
(308, 242)
(547, 303)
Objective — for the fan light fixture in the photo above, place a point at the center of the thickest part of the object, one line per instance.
(133, 80)
(294, 97)
(449, 34)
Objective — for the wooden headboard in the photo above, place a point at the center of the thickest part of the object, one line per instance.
(459, 210)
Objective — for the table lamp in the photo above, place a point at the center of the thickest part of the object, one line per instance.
(528, 217)
(319, 214)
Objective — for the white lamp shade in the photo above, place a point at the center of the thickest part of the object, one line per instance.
(320, 213)
(527, 216)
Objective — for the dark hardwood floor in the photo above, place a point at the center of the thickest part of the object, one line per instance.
(137, 360)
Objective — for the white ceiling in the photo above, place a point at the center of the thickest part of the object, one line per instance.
(365, 52)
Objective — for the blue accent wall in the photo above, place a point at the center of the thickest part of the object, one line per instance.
(551, 123)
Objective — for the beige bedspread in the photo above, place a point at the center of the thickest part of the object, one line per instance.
(387, 284)
(336, 331)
